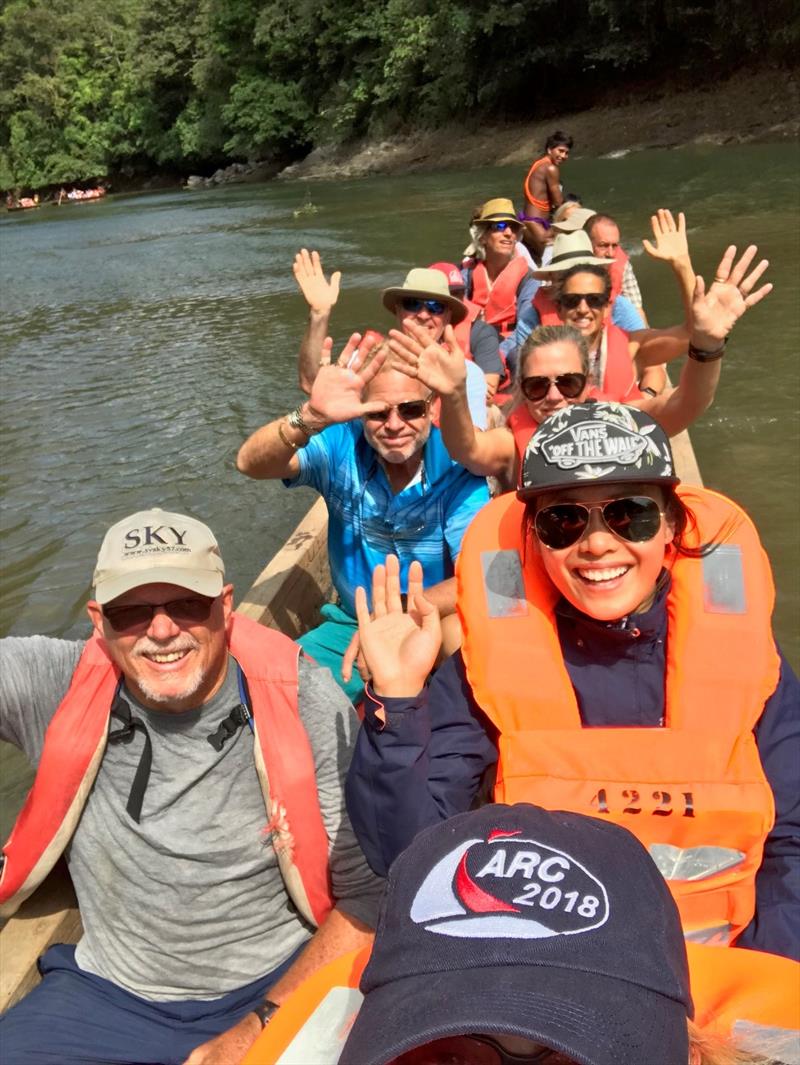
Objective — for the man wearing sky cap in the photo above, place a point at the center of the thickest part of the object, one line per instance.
(190, 768)
(365, 440)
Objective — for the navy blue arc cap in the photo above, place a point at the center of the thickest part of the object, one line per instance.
(520, 921)
(591, 443)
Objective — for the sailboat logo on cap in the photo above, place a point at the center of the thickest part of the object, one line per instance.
(506, 887)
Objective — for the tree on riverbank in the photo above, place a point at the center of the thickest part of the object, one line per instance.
(91, 87)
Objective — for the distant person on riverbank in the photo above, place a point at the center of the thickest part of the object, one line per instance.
(190, 768)
(364, 439)
(541, 189)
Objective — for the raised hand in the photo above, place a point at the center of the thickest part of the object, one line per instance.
(320, 294)
(398, 647)
(670, 239)
(441, 367)
(338, 387)
(716, 312)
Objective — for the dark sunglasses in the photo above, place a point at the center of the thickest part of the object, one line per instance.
(473, 1050)
(569, 385)
(570, 301)
(501, 227)
(632, 518)
(414, 305)
(139, 615)
(408, 410)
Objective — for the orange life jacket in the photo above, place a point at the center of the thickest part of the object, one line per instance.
(740, 994)
(751, 997)
(617, 270)
(498, 302)
(543, 206)
(75, 742)
(316, 1018)
(464, 328)
(695, 783)
(546, 308)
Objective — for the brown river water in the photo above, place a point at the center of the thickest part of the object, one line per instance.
(144, 337)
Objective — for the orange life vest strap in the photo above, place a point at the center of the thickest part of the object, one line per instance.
(74, 745)
(619, 377)
(286, 768)
(541, 205)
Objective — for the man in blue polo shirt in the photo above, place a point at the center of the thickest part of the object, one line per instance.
(364, 439)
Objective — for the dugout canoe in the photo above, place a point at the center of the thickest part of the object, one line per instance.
(286, 595)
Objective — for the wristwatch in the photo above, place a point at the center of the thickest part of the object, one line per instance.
(295, 419)
(649, 391)
(264, 1011)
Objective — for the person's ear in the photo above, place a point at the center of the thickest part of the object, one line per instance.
(227, 601)
(95, 612)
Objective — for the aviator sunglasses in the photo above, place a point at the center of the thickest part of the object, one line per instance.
(570, 301)
(632, 518)
(408, 410)
(501, 227)
(570, 385)
(475, 1050)
(413, 304)
(139, 615)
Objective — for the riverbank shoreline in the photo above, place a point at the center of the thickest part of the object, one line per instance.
(751, 107)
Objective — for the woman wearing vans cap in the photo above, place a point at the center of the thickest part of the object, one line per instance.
(618, 660)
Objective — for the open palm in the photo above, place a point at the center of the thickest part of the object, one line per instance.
(399, 647)
(440, 367)
(338, 387)
(715, 312)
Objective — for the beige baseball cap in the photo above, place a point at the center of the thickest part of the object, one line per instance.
(157, 546)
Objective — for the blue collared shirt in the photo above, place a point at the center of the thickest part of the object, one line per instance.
(367, 520)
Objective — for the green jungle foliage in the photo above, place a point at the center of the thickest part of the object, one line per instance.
(91, 87)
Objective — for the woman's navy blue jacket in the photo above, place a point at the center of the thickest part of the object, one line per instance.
(432, 756)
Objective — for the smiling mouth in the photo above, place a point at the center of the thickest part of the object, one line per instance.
(602, 576)
(165, 657)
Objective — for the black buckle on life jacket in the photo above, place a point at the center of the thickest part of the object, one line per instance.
(229, 727)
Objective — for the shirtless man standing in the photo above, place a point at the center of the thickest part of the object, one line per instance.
(542, 189)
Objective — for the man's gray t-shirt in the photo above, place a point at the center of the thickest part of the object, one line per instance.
(189, 903)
